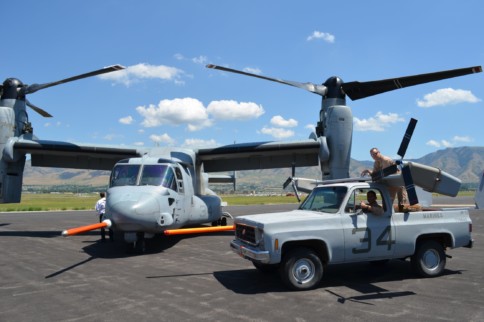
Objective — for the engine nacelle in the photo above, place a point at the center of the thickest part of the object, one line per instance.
(11, 172)
(338, 132)
(11, 176)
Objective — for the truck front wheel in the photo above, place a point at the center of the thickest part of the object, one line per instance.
(266, 268)
(429, 259)
(301, 269)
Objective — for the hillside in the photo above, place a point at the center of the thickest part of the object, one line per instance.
(466, 163)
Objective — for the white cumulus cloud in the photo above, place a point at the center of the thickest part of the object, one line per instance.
(178, 111)
(377, 123)
(192, 113)
(277, 133)
(321, 35)
(126, 120)
(447, 96)
(135, 73)
(462, 139)
(201, 60)
(281, 122)
(446, 143)
(112, 136)
(199, 144)
(232, 110)
(163, 138)
(253, 70)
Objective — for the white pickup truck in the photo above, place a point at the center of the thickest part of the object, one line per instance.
(330, 228)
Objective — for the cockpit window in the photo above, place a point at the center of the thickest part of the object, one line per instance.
(124, 175)
(169, 179)
(158, 175)
(151, 175)
(325, 199)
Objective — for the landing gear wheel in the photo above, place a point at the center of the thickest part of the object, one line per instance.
(140, 243)
(140, 246)
(223, 221)
(429, 259)
(301, 269)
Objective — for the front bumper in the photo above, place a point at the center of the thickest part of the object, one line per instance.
(247, 252)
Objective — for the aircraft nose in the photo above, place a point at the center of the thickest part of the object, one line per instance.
(133, 209)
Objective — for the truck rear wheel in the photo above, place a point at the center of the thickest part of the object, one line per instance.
(429, 259)
(301, 269)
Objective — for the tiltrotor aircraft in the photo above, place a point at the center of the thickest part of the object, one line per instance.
(155, 190)
(335, 128)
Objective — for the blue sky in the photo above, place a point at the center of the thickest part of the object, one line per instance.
(166, 96)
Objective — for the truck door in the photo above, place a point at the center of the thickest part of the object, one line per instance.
(367, 236)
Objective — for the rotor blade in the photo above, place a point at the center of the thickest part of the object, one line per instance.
(384, 172)
(310, 87)
(294, 187)
(409, 186)
(38, 109)
(357, 90)
(35, 87)
(406, 138)
(286, 183)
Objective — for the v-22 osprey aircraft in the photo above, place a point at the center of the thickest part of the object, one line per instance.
(156, 190)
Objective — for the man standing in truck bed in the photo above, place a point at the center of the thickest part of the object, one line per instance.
(382, 162)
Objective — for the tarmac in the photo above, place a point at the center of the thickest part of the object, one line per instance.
(46, 277)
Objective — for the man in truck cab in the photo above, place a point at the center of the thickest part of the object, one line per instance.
(371, 205)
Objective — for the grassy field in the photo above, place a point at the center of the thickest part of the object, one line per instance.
(69, 201)
(54, 201)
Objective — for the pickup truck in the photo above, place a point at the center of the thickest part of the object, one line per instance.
(330, 227)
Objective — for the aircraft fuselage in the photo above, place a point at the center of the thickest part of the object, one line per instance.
(149, 195)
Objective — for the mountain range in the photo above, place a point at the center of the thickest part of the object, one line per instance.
(465, 163)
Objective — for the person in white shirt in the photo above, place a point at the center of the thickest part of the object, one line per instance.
(101, 209)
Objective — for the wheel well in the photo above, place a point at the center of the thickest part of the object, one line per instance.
(444, 239)
(316, 245)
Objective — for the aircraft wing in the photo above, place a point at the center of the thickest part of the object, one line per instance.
(46, 153)
(260, 155)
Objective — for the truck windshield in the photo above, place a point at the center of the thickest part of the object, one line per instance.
(325, 199)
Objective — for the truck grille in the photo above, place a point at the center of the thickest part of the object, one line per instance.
(245, 233)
